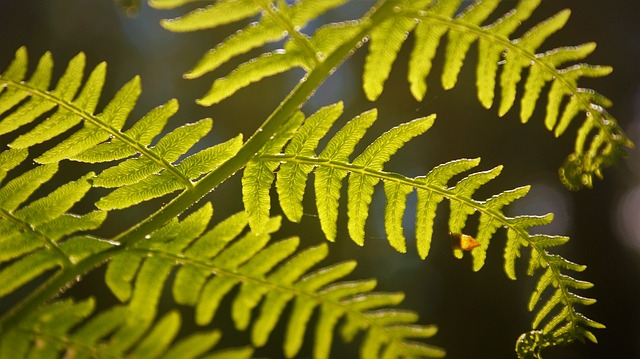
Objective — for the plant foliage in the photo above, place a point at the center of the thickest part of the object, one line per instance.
(45, 245)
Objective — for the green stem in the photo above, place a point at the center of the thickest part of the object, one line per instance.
(303, 91)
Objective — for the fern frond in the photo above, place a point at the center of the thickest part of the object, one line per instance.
(74, 329)
(608, 142)
(333, 165)
(557, 308)
(148, 171)
(33, 237)
(270, 276)
(599, 142)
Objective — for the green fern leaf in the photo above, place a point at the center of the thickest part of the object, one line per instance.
(169, 4)
(41, 78)
(329, 179)
(396, 195)
(269, 28)
(273, 276)
(538, 77)
(64, 119)
(10, 159)
(465, 188)
(171, 147)
(428, 200)
(434, 20)
(252, 36)
(275, 23)
(269, 275)
(366, 169)
(268, 64)
(428, 35)
(332, 166)
(26, 268)
(113, 116)
(303, 307)
(67, 328)
(152, 172)
(514, 64)
(143, 132)
(588, 160)
(221, 13)
(386, 41)
(489, 224)
(459, 42)
(250, 293)
(258, 177)
(394, 19)
(566, 324)
(489, 52)
(159, 185)
(373, 157)
(30, 234)
(292, 177)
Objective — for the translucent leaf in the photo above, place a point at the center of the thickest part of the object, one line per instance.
(143, 132)
(223, 12)
(16, 191)
(374, 156)
(386, 40)
(514, 63)
(268, 64)
(292, 177)
(459, 42)
(428, 35)
(489, 52)
(113, 116)
(328, 180)
(31, 108)
(396, 195)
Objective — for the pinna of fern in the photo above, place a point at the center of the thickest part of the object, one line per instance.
(291, 157)
(599, 140)
(74, 330)
(148, 171)
(270, 275)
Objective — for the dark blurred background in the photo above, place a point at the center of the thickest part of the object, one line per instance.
(480, 315)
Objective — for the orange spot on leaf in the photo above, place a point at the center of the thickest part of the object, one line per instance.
(463, 241)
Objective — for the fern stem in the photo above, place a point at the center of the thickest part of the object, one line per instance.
(48, 242)
(285, 24)
(195, 192)
(95, 120)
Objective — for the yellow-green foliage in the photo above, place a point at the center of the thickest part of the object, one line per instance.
(272, 281)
